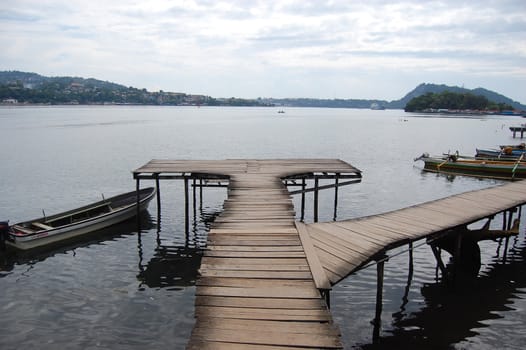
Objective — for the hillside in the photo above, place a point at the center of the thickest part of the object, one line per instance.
(27, 87)
(23, 87)
(423, 89)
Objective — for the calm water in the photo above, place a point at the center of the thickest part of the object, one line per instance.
(127, 290)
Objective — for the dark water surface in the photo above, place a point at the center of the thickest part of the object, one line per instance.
(122, 289)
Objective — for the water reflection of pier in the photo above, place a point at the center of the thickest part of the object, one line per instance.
(437, 324)
(176, 265)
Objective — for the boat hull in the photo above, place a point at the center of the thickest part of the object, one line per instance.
(489, 169)
(57, 234)
(500, 154)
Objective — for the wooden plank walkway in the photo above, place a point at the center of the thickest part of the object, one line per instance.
(259, 287)
(344, 246)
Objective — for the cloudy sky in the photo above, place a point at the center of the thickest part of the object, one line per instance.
(264, 48)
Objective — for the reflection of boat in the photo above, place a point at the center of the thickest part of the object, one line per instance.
(497, 169)
(51, 229)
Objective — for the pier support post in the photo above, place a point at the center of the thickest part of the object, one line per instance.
(138, 201)
(405, 298)
(438, 257)
(194, 198)
(326, 295)
(316, 193)
(200, 194)
(377, 322)
(158, 194)
(303, 185)
(336, 180)
(186, 214)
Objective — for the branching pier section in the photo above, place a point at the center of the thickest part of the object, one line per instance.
(261, 284)
(345, 246)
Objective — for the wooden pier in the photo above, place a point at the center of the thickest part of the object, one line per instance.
(345, 246)
(261, 285)
(518, 129)
(265, 279)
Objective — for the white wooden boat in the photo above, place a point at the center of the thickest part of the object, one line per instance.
(55, 228)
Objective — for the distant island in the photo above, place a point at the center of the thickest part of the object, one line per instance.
(31, 88)
(448, 102)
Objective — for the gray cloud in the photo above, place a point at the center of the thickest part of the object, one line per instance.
(180, 45)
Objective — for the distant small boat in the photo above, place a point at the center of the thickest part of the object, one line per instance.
(497, 169)
(55, 228)
(281, 111)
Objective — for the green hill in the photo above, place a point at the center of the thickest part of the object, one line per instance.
(423, 89)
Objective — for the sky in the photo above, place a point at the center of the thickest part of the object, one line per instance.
(372, 49)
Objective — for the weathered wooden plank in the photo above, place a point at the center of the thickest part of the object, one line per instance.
(254, 254)
(255, 236)
(271, 292)
(262, 303)
(261, 230)
(254, 226)
(367, 229)
(255, 242)
(242, 248)
(269, 338)
(347, 233)
(265, 325)
(195, 344)
(338, 250)
(291, 275)
(320, 278)
(253, 282)
(256, 267)
(348, 240)
(316, 315)
(338, 265)
(398, 227)
(253, 261)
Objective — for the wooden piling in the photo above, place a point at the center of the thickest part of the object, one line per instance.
(303, 185)
(438, 256)
(377, 322)
(316, 192)
(194, 199)
(158, 193)
(335, 196)
(138, 203)
(200, 194)
(186, 207)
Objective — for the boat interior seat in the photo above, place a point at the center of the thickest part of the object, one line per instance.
(41, 225)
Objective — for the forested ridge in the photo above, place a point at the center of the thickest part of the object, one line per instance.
(454, 101)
